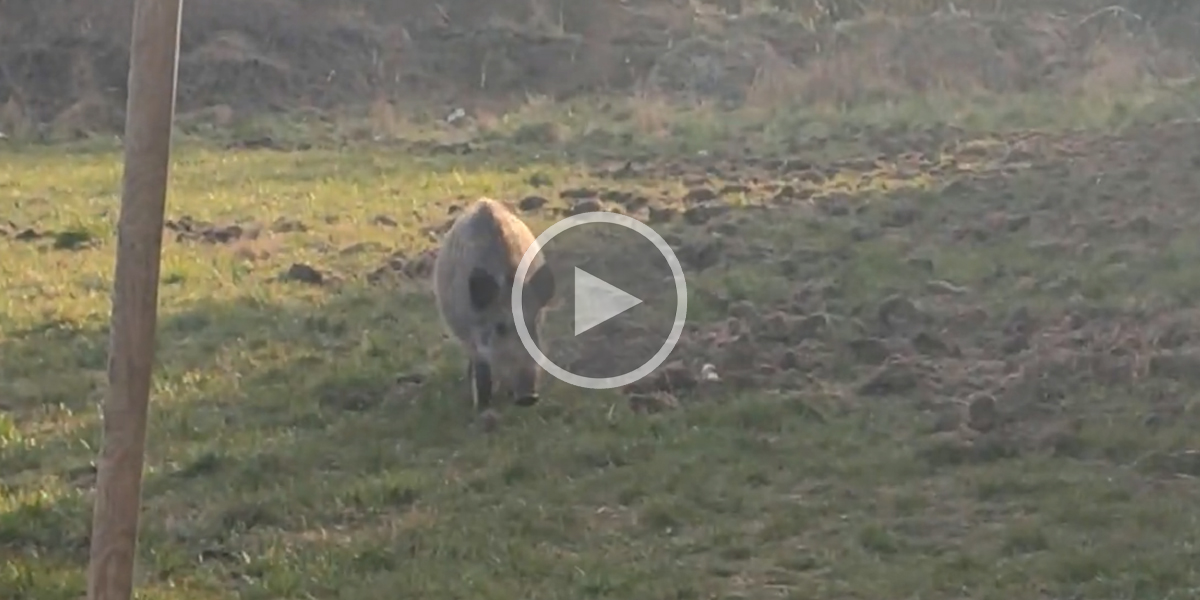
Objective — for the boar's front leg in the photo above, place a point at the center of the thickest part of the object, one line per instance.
(480, 374)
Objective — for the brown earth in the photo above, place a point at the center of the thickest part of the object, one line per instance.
(63, 63)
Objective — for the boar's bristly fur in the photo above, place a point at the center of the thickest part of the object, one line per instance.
(473, 280)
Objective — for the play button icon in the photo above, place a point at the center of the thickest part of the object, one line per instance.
(629, 300)
(597, 301)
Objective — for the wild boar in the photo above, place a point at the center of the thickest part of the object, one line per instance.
(473, 279)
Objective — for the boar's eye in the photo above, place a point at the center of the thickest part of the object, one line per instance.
(501, 329)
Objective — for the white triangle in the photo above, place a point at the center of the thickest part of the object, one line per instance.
(597, 301)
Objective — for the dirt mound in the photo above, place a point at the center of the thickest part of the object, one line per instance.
(280, 54)
(64, 66)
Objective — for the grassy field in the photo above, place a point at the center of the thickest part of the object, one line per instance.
(955, 364)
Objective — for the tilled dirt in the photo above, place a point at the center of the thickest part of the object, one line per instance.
(1034, 267)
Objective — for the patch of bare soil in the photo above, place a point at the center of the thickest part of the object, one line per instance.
(63, 64)
(1067, 245)
(68, 239)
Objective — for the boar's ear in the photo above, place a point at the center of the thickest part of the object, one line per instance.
(483, 287)
(541, 285)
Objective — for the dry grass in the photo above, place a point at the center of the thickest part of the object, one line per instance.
(343, 58)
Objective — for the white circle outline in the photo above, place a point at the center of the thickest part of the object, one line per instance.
(600, 383)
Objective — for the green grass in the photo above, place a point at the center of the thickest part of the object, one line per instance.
(285, 461)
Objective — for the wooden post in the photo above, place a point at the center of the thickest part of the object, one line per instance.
(149, 112)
